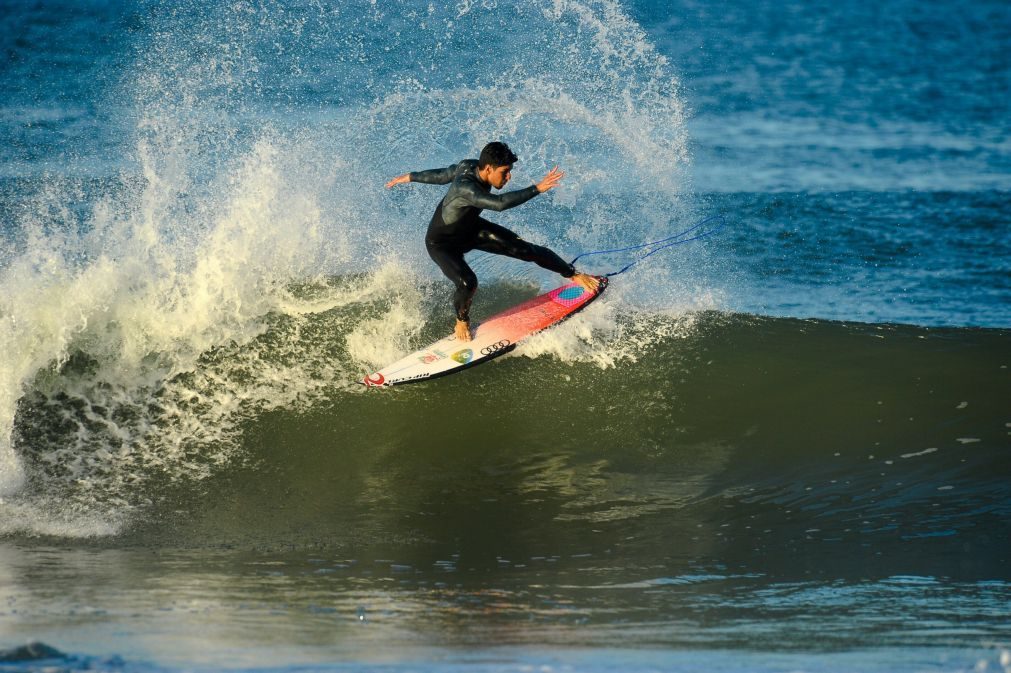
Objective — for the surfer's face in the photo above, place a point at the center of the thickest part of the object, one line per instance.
(498, 176)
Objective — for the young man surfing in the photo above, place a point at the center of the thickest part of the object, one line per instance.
(457, 226)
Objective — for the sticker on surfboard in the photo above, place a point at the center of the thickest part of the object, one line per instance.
(495, 336)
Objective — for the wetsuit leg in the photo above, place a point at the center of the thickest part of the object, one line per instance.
(450, 260)
(498, 240)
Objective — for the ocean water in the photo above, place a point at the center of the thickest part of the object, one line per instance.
(784, 447)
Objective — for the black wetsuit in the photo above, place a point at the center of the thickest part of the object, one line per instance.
(458, 228)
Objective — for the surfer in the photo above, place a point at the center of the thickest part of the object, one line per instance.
(457, 226)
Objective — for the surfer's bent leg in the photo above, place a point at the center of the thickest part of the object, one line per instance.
(451, 261)
(498, 240)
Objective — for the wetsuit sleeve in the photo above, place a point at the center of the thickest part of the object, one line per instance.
(497, 202)
(435, 176)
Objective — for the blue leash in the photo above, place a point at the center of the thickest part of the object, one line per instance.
(676, 239)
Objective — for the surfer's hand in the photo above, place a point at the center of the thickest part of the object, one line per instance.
(586, 281)
(551, 180)
(399, 180)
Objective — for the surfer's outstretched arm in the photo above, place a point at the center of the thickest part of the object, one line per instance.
(433, 176)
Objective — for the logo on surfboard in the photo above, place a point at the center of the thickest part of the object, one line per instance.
(433, 356)
(495, 347)
(568, 296)
(464, 356)
(376, 379)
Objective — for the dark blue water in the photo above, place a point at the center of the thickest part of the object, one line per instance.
(784, 447)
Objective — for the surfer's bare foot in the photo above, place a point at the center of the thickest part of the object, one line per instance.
(586, 281)
(462, 330)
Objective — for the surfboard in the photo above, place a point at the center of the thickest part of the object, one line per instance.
(495, 336)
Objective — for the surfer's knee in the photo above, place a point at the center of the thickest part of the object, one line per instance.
(527, 252)
(537, 252)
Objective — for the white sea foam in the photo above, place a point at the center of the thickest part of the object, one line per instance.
(143, 294)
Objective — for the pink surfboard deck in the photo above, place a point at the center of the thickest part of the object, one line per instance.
(495, 336)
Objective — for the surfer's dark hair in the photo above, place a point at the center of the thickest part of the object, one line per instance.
(496, 154)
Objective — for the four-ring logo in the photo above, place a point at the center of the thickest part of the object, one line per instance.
(496, 347)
